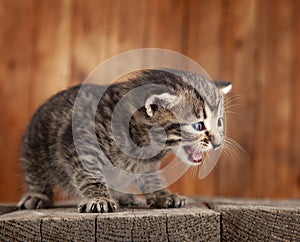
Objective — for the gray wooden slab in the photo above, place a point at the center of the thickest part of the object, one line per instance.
(258, 220)
(213, 219)
(194, 223)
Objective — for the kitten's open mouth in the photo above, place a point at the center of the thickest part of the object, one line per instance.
(195, 156)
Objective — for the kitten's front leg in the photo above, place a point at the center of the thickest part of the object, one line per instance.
(97, 204)
(156, 196)
(92, 186)
(96, 197)
(85, 168)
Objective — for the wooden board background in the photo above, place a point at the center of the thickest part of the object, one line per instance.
(48, 45)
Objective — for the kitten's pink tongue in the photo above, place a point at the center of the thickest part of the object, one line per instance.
(196, 155)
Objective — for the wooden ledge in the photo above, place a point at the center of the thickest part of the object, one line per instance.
(263, 220)
(202, 220)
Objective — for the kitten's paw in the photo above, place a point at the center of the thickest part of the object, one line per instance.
(166, 201)
(98, 205)
(130, 200)
(35, 201)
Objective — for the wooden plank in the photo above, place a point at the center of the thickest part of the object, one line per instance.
(44, 225)
(96, 37)
(258, 220)
(225, 219)
(131, 24)
(16, 31)
(90, 37)
(116, 227)
(255, 43)
(68, 225)
(189, 224)
(240, 40)
(294, 152)
(51, 55)
(125, 225)
(161, 30)
(273, 138)
(20, 225)
(195, 224)
(203, 48)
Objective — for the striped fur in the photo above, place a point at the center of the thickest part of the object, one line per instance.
(50, 156)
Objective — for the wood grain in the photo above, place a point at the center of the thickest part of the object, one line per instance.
(89, 37)
(46, 46)
(202, 37)
(51, 50)
(241, 38)
(15, 89)
(188, 224)
(204, 219)
(294, 151)
(257, 220)
(275, 110)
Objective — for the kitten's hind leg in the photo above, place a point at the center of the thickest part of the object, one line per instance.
(35, 200)
(165, 199)
(40, 194)
(127, 200)
(156, 195)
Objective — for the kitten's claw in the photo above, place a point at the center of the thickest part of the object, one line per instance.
(166, 201)
(35, 201)
(100, 205)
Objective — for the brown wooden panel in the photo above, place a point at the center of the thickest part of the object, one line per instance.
(239, 38)
(165, 24)
(294, 142)
(51, 50)
(201, 43)
(89, 36)
(16, 28)
(46, 46)
(272, 144)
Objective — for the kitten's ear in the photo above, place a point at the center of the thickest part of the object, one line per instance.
(224, 87)
(166, 100)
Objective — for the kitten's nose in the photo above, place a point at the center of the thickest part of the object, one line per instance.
(215, 142)
(215, 145)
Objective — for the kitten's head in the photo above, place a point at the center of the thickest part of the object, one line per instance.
(191, 113)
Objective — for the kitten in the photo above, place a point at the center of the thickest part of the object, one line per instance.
(130, 126)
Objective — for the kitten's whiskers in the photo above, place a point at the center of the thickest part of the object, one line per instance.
(234, 149)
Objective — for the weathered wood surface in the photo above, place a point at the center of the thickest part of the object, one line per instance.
(201, 220)
(194, 223)
(259, 220)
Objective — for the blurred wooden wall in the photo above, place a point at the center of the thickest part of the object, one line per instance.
(48, 45)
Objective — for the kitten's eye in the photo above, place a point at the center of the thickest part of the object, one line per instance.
(220, 122)
(198, 126)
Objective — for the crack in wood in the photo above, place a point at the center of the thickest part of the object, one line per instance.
(167, 228)
(96, 225)
(133, 225)
(41, 229)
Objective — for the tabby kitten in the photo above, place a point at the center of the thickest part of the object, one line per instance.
(129, 126)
